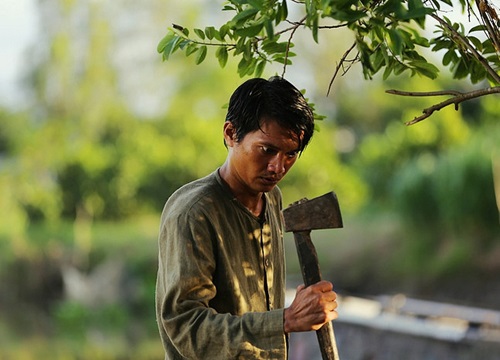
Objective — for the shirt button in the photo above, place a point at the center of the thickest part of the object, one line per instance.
(267, 263)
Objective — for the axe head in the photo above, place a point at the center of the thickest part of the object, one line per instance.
(322, 212)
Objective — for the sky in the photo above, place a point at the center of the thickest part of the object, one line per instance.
(17, 31)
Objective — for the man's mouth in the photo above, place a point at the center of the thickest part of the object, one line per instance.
(271, 180)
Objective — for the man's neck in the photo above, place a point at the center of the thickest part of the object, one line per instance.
(254, 202)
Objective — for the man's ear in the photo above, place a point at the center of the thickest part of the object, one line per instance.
(229, 133)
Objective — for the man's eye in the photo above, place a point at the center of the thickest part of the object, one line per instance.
(268, 150)
(292, 154)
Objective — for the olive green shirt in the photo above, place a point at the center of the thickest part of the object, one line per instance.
(221, 276)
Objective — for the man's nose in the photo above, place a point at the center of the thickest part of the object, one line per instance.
(277, 164)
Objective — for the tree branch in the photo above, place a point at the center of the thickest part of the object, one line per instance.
(457, 98)
(293, 29)
(339, 65)
(469, 47)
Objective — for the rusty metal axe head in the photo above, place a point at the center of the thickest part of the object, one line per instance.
(322, 212)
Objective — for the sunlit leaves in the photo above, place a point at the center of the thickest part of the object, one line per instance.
(249, 35)
(167, 44)
(388, 37)
(459, 55)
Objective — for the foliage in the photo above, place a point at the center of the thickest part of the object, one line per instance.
(447, 202)
(80, 170)
(389, 36)
(436, 176)
(436, 193)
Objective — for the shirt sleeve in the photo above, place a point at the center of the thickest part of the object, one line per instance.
(184, 290)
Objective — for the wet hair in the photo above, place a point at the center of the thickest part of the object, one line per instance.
(276, 99)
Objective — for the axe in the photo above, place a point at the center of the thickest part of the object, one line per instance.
(301, 217)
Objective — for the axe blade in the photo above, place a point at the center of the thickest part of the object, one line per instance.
(322, 212)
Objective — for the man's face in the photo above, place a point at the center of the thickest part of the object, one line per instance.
(262, 158)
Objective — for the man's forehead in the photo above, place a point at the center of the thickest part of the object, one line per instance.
(274, 124)
(278, 137)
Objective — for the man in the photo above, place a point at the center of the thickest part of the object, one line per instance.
(221, 277)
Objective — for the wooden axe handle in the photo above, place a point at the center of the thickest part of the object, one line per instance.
(309, 265)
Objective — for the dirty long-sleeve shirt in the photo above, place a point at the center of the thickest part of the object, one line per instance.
(221, 275)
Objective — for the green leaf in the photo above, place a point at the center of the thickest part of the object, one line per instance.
(251, 67)
(259, 69)
(347, 15)
(425, 68)
(210, 32)
(387, 72)
(223, 31)
(480, 28)
(281, 60)
(202, 53)
(200, 33)
(269, 29)
(163, 42)
(310, 8)
(245, 15)
(379, 32)
(377, 60)
(171, 47)
(314, 27)
(477, 73)
(240, 46)
(417, 39)
(222, 56)
(418, 12)
(399, 68)
(243, 67)
(396, 43)
(184, 43)
(415, 4)
(364, 52)
(257, 4)
(449, 57)
(247, 51)
(191, 48)
(477, 43)
(489, 48)
(461, 70)
(442, 44)
(273, 47)
(282, 12)
(249, 31)
(388, 8)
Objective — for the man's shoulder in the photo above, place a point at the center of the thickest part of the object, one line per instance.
(197, 193)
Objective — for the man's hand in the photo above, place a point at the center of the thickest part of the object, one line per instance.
(312, 307)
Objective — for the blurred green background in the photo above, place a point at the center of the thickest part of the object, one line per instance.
(96, 132)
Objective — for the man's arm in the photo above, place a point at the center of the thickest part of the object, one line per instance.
(189, 326)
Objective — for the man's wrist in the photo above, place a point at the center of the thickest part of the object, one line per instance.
(286, 322)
